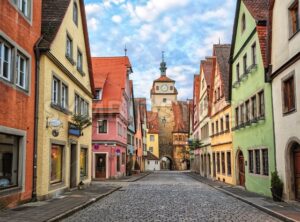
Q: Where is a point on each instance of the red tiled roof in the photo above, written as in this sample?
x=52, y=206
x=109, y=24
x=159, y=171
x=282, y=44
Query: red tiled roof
x=181, y=117
x=222, y=54
x=207, y=67
x=196, y=89
x=151, y=156
x=110, y=73
x=152, y=122
x=164, y=79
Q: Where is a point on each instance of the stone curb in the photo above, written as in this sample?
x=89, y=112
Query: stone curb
x=264, y=209
x=82, y=206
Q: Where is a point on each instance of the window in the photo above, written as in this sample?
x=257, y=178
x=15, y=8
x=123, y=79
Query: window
x=102, y=126
x=98, y=95
x=217, y=127
x=289, y=95
x=75, y=13
x=64, y=96
x=251, y=162
x=157, y=88
x=152, y=138
x=228, y=163
x=294, y=17
x=219, y=93
x=171, y=88
x=216, y=97
x=265, y=162
x=81, y=107
x=156, y=162
x=83, y=163
x=227, y=122
x=123, y=158
x=24, y=6
x=243, y=22
x=118, y=163
x=69, y=47
x=261, y=104
x=76, y=104
x=5, y=61
x=55, y=89
x=254, y=54
x=254, y=107
x=151, y=149
x=148, y=162
x=56, y=163
x=247, y=110
x=242, y=109
x=223, y=162
x=245, y=63
x=21, y=71
x=164, y=100
x=205, y=131
x=237, y=122
x=222, y=125
x=79, y=61
x=212, y=129
x=238, y=72
x=136, y=142
x=257, y=161
x=9, y=159
x=218, y=162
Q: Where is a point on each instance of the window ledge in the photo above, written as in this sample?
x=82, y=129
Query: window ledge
x=10, y=190
x=80, y=71
x=61, y=109
x=70, y=59
x=294, y=34
x=289, y=112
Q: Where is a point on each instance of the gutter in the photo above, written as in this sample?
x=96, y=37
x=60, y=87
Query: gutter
x=36, y=118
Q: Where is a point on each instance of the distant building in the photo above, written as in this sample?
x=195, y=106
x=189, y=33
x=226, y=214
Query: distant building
x=152, y=162
x=110, y=116
x=153, y=132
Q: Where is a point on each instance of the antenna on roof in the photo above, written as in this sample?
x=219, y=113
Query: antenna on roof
x=125, y=50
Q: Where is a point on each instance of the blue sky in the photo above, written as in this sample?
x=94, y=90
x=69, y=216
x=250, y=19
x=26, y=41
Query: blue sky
x=184, y=29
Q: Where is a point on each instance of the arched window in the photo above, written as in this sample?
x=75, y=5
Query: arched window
x=243, y=22
x=75, y=13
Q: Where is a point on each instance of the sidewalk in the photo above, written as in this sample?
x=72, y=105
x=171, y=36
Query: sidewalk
x=57, y=208
x=281, y=210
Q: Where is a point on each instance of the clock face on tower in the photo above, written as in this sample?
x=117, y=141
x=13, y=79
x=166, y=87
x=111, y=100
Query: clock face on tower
x=164, y=88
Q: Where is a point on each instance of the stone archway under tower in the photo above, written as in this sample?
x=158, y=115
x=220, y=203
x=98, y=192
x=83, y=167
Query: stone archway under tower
x=166, y=163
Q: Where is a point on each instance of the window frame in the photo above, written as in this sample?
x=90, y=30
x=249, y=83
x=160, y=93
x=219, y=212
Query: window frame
x=228, y=163
x=25, y=73
x=243, y=22
x=245, y=65
x=291, y=9
x=287, y=110
x=79, y=58
x=69, y=56
x=98, y=126
x=4, y=44
x=61, y=179
x=261, y=107
x=100, y=93
x=75, y=13
x=254, y=53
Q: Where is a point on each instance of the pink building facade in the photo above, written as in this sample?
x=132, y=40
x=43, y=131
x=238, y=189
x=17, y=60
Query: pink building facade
x=110, y=117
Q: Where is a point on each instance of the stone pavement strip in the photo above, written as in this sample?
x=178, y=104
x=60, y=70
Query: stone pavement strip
x=282, y=210
x=57, y=208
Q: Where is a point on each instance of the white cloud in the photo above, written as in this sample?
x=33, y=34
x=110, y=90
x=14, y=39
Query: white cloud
x=93, y=24
x=116, y=19
x=93, y=9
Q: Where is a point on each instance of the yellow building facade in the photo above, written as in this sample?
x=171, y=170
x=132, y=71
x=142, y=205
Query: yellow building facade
x=221, y=136
x=152, y=144
x=152, y=134
x=65, y=92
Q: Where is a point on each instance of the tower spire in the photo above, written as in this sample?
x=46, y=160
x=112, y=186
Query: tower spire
x=163, y=65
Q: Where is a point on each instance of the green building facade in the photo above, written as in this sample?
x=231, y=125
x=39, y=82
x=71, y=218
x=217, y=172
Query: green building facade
x=253, y=135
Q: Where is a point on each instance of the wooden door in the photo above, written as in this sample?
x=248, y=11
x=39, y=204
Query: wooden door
x=297, y=172
x=241, y=169
x=101, y=166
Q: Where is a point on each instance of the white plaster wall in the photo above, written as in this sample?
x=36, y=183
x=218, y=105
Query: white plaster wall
x=152, y=166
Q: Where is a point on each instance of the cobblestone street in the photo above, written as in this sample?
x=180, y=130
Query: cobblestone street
x=169, y=196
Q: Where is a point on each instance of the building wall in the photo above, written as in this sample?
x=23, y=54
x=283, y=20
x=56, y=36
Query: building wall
x=19, y=106
x=255, y=136
x=152, y=165
x=46, y=112
x=287, y=126
x=153, y=144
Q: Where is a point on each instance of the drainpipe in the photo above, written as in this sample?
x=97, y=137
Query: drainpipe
x=36, y=118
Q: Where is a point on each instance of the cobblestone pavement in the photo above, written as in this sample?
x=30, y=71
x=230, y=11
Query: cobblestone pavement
x=169, y=196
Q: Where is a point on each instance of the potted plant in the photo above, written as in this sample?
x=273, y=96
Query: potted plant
x=276, y=186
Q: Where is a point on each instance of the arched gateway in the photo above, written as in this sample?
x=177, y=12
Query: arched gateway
x=166, y=163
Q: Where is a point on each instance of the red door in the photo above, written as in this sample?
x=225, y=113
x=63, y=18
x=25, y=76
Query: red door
x=241, y=169
x=297, y=172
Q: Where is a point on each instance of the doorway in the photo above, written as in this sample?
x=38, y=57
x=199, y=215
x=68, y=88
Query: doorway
x=73, y=166
x=296, y=155
x=241, y=169
x=166, y=163
x=100, y=166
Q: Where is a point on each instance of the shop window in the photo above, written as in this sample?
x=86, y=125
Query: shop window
x=265, y=159
x=56, y=163
x=289, y=95
x=251, y=162
x=83, y=163
x=228, y=163
x=102, y=126
x=9, y=158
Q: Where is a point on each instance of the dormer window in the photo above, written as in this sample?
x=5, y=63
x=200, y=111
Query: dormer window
x=243, y=22
x=75, y=13
x=98, y=95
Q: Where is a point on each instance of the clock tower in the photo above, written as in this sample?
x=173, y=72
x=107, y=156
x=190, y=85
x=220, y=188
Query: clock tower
x=163, y=96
